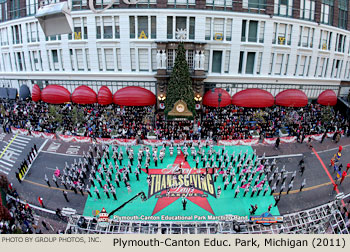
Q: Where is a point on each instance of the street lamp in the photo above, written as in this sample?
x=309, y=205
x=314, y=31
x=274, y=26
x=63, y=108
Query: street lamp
x=219, y=99
x=198, y=98
x=161, y=97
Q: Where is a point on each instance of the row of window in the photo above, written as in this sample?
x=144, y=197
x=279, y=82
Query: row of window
x=32, y=6
x=145, y=27
x=347, y=70
x=281, y=8
x=307, y=9
x=144, y=59
x=336, y=70
x=253, y=31
x=109, y=59
x=250, y=63
x=218, y=29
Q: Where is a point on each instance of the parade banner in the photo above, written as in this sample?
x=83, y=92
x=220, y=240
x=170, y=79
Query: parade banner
x=291, y=139
x=330, y=134
x=81, y=139
x=20, y=131
x=43, y=134
x=306, y=139
x=78, y=139
x=317, y=137
x=49, y=135
x=249, y=142
x=125, y=141
x=203, y=141
x=269, y=140
x=36, y=134
x=66, y=138
x=154, y=142
x=106, y=140
x=228, y=142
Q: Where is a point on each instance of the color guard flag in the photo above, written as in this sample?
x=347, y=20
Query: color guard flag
x=57, y=172
x=260, y=184
x=338, y=174
x=260, y=167
x=245, y=185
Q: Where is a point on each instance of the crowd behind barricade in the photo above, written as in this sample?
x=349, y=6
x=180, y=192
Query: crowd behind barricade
x=16, y=218
x=233, y=122
x=71, y=119
x=228, y=123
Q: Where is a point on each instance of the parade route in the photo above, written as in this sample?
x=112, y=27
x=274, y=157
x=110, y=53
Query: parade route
x=55, y=153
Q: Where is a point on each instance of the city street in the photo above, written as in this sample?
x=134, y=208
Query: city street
x=54, y=154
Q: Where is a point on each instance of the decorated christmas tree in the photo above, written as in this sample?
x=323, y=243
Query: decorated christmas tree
x=180, y=83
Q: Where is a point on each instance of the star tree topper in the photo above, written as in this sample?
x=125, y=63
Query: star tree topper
x=181, y=34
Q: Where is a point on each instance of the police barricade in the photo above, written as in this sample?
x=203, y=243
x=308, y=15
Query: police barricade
x=43, y=135
x=249, y=142
x=20, y=131
x=66, y=211
x=78, y=139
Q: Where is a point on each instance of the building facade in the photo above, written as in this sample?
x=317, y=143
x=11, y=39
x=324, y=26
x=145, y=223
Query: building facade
x=268, y=44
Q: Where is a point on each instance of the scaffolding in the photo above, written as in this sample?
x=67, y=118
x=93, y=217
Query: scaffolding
x=324, y=219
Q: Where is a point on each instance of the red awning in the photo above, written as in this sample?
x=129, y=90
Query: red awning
x=291, y=98
x=327, y=98
x=36, y=93
x=84, y=95
x=104, y=96
x=134, y=96
x=55, y=94
x=253, y=98
x=212, y=98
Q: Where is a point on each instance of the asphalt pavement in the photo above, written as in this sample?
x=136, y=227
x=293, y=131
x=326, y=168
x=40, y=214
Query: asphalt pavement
x=55, y=153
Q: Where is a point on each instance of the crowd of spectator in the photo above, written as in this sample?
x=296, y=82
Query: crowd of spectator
x=234, y=122
x=84, y=120
x=226, y=123
x=17, y=218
